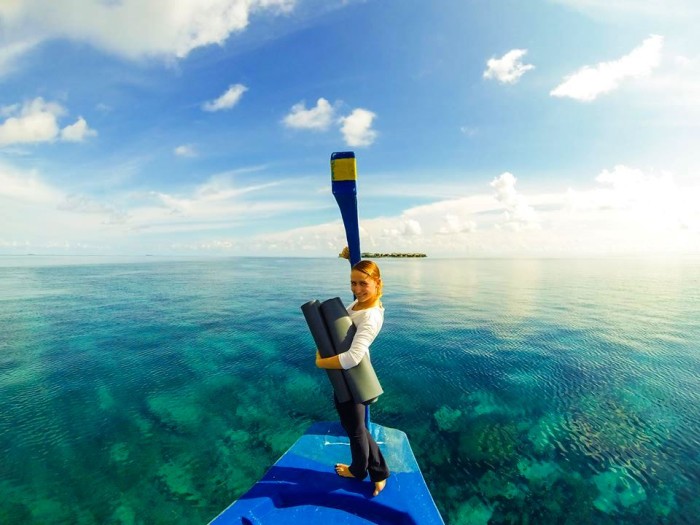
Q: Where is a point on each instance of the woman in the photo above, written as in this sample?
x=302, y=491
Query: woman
x=367, y=314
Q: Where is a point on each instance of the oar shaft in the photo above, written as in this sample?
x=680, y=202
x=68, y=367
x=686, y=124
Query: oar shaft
x=344, y=186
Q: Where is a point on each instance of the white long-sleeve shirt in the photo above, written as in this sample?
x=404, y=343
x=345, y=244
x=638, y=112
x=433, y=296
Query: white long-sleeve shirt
x=367, y=322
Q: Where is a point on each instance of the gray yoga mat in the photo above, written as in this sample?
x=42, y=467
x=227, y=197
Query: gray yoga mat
x=319, y=332
x=361, y=379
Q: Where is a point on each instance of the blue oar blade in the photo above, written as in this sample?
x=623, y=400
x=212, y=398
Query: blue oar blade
x=344, y=186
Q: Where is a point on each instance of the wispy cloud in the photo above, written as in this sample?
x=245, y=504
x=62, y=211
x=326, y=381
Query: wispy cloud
x=682, y=9
x=57, y=217
x=185, y=150
x=509, y=68
x=83, y=204
x=227, y=100
x=319, y=117
x=589, y=82
x=43, y=217
x=11, y=53
x=37, y=121
x=18, y=185
x=216, y=199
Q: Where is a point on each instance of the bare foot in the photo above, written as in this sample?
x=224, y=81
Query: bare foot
x=343, y=470
x=378, y=487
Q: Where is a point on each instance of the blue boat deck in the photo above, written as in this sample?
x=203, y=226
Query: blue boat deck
x=302, y=486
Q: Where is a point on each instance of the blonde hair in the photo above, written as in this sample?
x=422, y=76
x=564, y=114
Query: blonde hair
x=370, y=269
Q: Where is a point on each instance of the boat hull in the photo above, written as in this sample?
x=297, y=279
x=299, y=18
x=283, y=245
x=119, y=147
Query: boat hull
x=302, y=486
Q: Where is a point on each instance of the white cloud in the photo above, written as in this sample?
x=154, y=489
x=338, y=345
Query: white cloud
x=591, y=81
x=411, y=227
x=37, y=121
x=621, y=211
x=509, y=68
x=518, y=214
x=226, y=101
x=77, y=132
x=155, y=28
x=185, y=150
x=675, y=87
x=635, y=211
x=319, y=117
x=646, y=196
x=454, y=224
x=622, y=178
x=357, y=128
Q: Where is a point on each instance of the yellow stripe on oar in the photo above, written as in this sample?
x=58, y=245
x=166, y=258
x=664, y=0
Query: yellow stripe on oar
x=343, y=169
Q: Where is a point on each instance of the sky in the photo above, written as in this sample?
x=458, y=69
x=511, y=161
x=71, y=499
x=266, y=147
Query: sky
x=482, y=128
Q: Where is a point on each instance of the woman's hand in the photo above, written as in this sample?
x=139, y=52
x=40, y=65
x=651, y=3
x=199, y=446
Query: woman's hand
x=329, y=363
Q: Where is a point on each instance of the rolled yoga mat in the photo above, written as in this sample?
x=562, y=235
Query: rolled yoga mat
x=317, y=326
x=361, y=379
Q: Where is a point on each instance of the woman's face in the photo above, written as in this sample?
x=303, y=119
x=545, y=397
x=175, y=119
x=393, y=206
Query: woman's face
x=363, y=286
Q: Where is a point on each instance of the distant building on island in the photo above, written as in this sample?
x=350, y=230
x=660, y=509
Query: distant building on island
x=373, y=255
x=345, y=254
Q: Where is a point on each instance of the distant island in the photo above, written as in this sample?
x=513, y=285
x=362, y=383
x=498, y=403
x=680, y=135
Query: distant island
x=345, y=254
x=372, y=255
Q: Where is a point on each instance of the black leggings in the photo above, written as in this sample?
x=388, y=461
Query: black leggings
x=366, y=456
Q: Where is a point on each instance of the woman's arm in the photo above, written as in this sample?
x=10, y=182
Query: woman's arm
x=367, y=331
x=368, y=327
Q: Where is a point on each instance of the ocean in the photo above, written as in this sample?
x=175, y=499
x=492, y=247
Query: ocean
x=155, y=390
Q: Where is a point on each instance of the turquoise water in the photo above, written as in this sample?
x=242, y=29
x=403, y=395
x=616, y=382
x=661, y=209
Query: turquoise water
x=533, y=391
